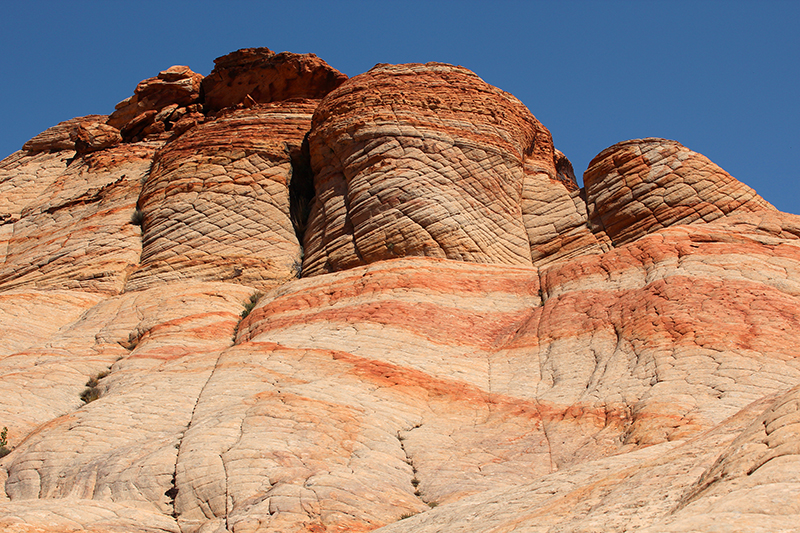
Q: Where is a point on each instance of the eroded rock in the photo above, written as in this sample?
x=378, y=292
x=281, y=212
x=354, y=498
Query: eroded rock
x=78, y=233
x=216, y=204
x=259, y=75
x=483, y=344
x=148, y=113
x=637, y=186
x=64, y=135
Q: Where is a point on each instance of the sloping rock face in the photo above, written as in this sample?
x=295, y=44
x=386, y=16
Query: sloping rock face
x=72, y=228
x=466, y=340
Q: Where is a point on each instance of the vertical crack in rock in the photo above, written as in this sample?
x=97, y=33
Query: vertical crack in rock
x=301, y=189
x=173, y=491
x=410, y=462
x=547, y=436
x=4, y=476
x=228, y=502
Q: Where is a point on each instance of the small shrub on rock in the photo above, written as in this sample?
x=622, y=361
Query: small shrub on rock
x=137, y=218
x=4, y=449
x=92, y=390
x=250, y=304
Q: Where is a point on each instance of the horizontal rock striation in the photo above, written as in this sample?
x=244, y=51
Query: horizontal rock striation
x=64, y=135
x=637, y=186
x=216, y=203
x=429, y=160
x=475, y=342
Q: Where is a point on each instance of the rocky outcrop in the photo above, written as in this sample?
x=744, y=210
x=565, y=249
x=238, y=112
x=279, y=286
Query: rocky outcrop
x=420, y=160
x=637, y=186
x=74, y=229
x=157, y=104
x=90, y=133
x=215, y=205
x=474, y=343
x=260, y=76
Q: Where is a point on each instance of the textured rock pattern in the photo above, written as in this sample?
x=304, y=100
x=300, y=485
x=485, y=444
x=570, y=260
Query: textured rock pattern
x=259, y=75
x=548, y=359
x=78, y=232
x=63, y=135
x=429, y=160
x=216, y=203
x=157, y=103
x=637, y=186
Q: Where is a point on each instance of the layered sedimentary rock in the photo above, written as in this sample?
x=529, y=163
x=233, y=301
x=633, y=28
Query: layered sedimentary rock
x=641, y=185
x=216, y=202
x=76, y=229
x=429, y=160
x=159, y=103
x=475, y=343
x=64, y=135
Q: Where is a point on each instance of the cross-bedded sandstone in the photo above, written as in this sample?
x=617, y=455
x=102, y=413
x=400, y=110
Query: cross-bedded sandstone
x=72, y=229
x=157, y=103
x=637, y=186
x=420, y=160
x=530, y=375
x=215, y=205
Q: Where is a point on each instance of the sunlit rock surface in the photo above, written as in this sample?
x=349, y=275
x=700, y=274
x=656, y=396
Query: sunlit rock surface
x=272, y=300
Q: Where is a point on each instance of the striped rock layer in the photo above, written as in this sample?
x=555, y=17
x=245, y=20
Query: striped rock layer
x=429, y=160
x=466, y=341
x=215, y=205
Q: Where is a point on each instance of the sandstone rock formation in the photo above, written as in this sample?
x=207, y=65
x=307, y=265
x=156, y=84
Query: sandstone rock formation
x=645, y=184
x=157, y=103
x=215, y=205
x=474, y=343
x=259, y=75
x=429, y=160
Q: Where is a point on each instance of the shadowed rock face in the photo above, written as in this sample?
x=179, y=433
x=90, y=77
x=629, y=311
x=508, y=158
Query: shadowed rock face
x=472, y=331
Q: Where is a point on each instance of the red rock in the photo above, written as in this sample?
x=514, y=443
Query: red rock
x=649, y=385
x=177, y=86
x=63, y=135
x=637, y=186
x=420, y=160
x=259, y=75
x=93, y=136
x=77, y=234
x=216, y=203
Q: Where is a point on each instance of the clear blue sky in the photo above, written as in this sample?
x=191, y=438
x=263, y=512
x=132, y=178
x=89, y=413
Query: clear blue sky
x=722, y=77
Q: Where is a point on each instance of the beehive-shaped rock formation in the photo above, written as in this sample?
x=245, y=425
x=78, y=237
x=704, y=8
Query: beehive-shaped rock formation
x=274, y=299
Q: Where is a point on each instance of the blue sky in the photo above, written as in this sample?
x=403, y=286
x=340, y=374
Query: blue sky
x=721, y=77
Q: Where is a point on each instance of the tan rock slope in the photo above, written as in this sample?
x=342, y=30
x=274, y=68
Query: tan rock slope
x=279, y=300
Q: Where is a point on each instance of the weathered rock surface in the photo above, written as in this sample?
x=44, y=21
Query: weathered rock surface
x=259, y=75
x=76, y=231
x=472, y=332
x=215, y=205
x=89, y=131
x=157, y=103
x=637, y=186
x=429, y=160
